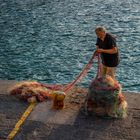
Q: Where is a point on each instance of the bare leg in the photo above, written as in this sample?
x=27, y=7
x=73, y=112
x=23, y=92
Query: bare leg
x=103, y=70
x=111, y=71
x=108, y=71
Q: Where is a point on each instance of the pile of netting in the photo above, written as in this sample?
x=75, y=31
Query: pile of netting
x=33, y=91
x=105, y=98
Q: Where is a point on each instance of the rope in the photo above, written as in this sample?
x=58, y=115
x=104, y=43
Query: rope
x=99, y=67
x=83, y=73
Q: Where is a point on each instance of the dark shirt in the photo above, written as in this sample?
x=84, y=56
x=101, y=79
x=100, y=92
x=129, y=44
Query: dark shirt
x=109, y=60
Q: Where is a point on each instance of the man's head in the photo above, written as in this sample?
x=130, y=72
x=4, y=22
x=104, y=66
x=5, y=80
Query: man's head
x=100, y=32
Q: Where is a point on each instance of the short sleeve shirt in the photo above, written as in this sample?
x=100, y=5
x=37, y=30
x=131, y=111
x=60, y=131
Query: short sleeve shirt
x=109, y=60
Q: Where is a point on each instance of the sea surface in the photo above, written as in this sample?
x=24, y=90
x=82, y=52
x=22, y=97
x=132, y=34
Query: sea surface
x=52, y=40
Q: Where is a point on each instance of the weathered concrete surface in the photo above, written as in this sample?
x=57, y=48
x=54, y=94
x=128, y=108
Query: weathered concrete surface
x=10, y=111
x=71, y=123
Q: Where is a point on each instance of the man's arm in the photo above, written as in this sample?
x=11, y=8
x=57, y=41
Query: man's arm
x=109, y=51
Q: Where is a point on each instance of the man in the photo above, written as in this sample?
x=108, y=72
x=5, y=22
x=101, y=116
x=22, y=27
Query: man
x=106, y=46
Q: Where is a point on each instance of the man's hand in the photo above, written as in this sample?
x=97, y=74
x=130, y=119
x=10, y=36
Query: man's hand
x=100, y=50
x=95, y=53
x=109, y=51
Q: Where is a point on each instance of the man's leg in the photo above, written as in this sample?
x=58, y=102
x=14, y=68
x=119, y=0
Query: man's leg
x=103, y=70
x=111, y=71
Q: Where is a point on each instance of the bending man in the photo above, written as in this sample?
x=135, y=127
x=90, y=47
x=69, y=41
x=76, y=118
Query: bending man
x=106, y=46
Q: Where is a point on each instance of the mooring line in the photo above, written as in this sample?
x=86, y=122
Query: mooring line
x=21, y=121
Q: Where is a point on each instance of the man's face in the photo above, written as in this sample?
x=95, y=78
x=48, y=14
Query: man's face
x=100, y=34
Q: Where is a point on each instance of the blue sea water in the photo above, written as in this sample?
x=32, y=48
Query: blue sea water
x=51, y=40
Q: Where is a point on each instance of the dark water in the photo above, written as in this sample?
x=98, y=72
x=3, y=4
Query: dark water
x=51, y=40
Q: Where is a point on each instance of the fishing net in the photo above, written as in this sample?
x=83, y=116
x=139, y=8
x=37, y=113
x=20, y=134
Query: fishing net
x=33, y=91
x=105, y=98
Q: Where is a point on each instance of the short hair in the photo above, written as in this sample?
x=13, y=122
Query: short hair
x=100, y=29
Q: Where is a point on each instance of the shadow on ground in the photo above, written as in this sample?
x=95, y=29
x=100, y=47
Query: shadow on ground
x=83, y=128
x=11, y=110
